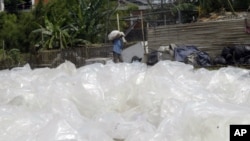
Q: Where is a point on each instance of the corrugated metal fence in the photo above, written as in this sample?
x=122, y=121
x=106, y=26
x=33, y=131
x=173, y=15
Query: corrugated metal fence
x=207, y=36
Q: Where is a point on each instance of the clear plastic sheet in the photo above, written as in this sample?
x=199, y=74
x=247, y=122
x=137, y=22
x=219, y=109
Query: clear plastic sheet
x=169, y=101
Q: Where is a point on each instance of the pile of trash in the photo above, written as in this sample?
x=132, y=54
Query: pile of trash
x=188, y=54
x=234, y=55
x=230, y=55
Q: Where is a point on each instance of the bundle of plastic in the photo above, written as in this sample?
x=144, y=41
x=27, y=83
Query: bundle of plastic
x=131, y=102
x=116, y=34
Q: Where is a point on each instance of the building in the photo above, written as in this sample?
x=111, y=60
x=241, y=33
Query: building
x=25, y=5
x=36, y=1
x=162, y=1
x=1, y=5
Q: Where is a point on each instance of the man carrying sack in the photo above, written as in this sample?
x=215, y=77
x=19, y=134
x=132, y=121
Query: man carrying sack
x=117, y=38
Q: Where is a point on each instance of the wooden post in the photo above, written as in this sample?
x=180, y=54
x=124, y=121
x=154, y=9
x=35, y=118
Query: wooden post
x=118, y=22
x=86, y=52
x=143, y=38
x=145, y=57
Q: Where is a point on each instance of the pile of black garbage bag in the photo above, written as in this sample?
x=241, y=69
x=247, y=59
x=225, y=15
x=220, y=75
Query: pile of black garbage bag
x=234, y=55
x=190, y=54
x=183, y=53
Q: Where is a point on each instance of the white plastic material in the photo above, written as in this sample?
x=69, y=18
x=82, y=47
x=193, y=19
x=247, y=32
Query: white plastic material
x=116, y=34
x=169, y=101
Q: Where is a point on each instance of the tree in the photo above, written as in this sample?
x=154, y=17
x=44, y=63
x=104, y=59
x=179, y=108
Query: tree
x=9, y=39
x=54, y=35
x=54, y=28
x=9, y=30
x=25, y=26
x=90, y=16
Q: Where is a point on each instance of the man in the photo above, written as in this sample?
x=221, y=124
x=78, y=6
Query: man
x=117, y=50
x=118, y=40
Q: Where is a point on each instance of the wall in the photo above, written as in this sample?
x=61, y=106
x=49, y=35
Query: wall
x=208, y=36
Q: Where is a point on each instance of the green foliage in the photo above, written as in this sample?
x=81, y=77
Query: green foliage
x=59, y=24
x=11, y=57
x=2, y=54
x=70, y=22
x=124, y=13
x=14, y=55
x=54, y=35
x=184, y=7
x=53, y=25
x=25, y=25
x=89, y=16
x=10, y=37
x=9, y=30
x=39, y=12
x=132, y=7
x=14, y=30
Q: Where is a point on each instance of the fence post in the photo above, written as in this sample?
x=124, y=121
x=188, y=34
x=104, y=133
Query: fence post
x=86, y=52
x=143, y=38
x=118, y=22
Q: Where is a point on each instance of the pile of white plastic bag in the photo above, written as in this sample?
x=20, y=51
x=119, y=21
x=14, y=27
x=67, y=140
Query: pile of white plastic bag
x=169, y=101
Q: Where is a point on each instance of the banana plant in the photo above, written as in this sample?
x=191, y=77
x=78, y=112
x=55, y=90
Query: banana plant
x=55, y=35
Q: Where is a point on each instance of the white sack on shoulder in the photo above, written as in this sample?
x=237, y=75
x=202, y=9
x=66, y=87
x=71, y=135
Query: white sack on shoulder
x=115, y=34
